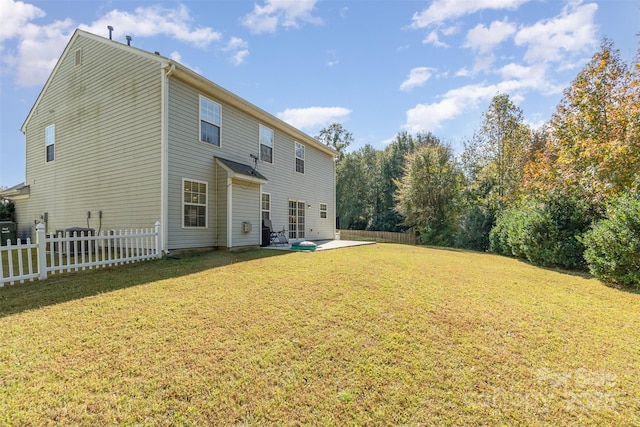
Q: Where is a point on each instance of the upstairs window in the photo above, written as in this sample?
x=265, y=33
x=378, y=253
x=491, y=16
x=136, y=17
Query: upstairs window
x=299, y=157
x=194, y=202
x=266, y=144
x=49, y=142
x=209, y=121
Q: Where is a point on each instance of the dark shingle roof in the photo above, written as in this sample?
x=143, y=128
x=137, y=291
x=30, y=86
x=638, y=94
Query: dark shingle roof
x=242, y=169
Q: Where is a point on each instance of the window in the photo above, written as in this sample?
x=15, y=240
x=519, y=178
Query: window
x=296, y=219
x=266, y=144
x=299, y=157
x=323, y=210
x=78, y=57
x=49, y=142
x=266, y=206
x=209, y=121
x=194, y=201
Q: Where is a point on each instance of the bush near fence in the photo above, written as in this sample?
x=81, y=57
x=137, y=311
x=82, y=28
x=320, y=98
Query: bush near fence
x=379, y=236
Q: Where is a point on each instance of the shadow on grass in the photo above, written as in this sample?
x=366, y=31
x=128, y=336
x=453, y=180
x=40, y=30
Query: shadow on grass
x=65, y=287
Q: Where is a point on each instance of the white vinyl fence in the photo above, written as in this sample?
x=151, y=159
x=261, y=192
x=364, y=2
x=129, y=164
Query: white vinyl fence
x=76, y=251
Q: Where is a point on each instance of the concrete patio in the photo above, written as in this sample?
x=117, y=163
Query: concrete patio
x=325, y=245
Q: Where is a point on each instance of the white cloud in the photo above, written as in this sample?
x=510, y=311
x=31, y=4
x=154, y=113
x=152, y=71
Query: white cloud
x=443, y=10
x=38, y=51
x=483, y=39
x=417, y=77
x=429, y=117
x=463, y=72
x=38, y=47
x=573, y=31
x=238, y=50
x=313, y=117
x=432, y=38
x=285, y=13
x=15, y=14
x=152, y=21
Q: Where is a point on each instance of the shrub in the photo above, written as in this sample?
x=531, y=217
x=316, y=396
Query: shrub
x=474, y=228
x=544, y=232
x=613, y=243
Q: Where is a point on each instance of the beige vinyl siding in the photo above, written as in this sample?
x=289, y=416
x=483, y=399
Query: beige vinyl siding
x=107, y=114
x=246, y=208
x=221, y=212
x=188, y=158
x=315, y=186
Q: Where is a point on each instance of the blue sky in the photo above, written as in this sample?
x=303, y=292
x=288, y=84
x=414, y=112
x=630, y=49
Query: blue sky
x=378, y=67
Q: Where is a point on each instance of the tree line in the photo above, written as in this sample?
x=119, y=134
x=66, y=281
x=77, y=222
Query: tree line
x=564, y=195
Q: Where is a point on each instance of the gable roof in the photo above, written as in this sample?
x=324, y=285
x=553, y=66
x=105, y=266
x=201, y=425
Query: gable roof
x=179, y=71
x=80, y=33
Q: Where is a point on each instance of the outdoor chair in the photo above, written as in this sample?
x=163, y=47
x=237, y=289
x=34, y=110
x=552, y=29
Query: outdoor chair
x=275, y=237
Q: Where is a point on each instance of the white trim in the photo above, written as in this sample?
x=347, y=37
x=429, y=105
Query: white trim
x=326, y=210
x=229, y=212
x=262, y=210
x=206, y=205
x=260, y=215
x=47, y=143
x=295, y=157
x=200, y=120
x=273, y=143
x=164, y=150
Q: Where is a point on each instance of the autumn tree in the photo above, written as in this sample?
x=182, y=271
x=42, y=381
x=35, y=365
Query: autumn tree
x=593, y=147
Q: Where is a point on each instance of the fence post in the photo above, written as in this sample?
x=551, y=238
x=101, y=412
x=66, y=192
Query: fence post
x=41, y=241
x=158, y=239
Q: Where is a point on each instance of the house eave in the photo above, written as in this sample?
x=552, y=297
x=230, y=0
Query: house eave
x=17, y=192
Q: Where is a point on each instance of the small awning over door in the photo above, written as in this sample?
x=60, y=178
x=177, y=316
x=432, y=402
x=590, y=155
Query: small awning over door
x=241, y=171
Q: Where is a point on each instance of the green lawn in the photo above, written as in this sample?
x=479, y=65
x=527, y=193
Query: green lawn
x=371, y=335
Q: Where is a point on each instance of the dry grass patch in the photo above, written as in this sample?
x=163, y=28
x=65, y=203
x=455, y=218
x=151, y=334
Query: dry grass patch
x=372, y=335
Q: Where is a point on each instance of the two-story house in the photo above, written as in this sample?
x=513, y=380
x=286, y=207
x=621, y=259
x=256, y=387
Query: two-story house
x=121, y=138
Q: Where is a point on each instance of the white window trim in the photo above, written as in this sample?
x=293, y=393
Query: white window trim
x=48, y=143
x=200, y=119
x=326, y=210
x=206, y=206
x=295, y=157
x=263, y=210
x=273, y=143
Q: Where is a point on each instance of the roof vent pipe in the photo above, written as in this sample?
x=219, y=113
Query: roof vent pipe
x=128, y=40
x=110, y=28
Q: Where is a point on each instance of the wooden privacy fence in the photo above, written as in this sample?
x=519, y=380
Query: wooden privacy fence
x=379, y=236
x=75, y=251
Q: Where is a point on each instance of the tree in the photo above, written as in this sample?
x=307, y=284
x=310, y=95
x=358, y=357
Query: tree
x=337, y=137
x=357, y=187
x=495, y=156
x=492, y=162
x=428, y=192
x=593, y=145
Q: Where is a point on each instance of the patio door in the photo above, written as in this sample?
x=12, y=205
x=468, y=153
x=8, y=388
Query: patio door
x=296, y=219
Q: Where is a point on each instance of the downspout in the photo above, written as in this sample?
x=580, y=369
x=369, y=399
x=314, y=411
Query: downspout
x=229, y=212
x=166, y=72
